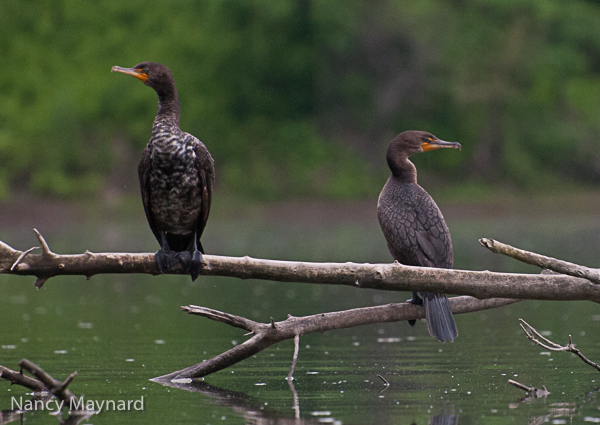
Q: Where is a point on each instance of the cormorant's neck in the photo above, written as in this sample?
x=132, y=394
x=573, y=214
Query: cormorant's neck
x=168, y=105
x=403, y=169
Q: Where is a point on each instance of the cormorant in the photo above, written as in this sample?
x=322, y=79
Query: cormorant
x=414, y=227
x=176, y=175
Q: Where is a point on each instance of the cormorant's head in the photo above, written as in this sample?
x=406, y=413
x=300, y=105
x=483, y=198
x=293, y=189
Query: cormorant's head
x=410, y=142
x=153, y=74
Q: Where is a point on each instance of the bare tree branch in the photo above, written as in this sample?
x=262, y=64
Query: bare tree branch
x=559, y=266
x=531, y=334
x=54, y=386
x=18, y=378
x=44, y=381
x=45, y=387
x=532, y=391
x=290, y=376
x=391, y=277
x=267, y=334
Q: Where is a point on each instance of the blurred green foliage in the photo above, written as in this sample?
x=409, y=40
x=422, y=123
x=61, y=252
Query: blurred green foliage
x=300, y=98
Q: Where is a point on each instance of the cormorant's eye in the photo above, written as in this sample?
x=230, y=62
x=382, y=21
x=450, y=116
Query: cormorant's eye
x=144, y=71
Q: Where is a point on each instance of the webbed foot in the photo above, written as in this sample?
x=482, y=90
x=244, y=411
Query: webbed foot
x=166, y=259
x=191, y=261
x=195, y=265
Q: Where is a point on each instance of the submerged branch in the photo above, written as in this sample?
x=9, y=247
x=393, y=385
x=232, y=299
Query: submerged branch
x=391, y=277
x=267, y=334
x=531, y=391
x=43, y=381
x=54, y=386
x=18, y=378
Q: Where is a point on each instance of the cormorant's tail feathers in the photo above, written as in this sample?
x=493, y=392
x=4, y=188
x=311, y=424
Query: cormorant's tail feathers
x=440, y=322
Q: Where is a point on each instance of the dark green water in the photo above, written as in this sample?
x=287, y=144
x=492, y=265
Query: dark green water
x=120, y=331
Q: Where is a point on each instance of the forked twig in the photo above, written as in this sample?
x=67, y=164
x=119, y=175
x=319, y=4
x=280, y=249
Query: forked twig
x=531, y=334
x=530, y=331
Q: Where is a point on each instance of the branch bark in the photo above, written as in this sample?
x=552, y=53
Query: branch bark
x=391, y=277
x=559, y=266
x=266, y=334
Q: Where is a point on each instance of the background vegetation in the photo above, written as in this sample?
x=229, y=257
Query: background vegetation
x=300, y=98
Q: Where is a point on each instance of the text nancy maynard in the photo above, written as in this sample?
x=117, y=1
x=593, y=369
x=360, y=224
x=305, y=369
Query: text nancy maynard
x=95, y=406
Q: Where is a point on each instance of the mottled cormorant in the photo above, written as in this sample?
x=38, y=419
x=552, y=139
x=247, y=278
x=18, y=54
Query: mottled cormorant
x=414, y=227
x=176, y=176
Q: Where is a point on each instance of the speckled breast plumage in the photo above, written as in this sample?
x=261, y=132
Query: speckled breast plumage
x=174, y=181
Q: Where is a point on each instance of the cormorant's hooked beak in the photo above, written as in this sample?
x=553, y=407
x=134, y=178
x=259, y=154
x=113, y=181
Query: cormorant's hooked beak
x=439, y=144
x=137, y=73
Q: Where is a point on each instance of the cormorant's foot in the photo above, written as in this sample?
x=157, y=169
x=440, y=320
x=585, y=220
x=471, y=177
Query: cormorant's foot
x=195, y=265
x=184, y=258
x=416, y=300
x=166, y=260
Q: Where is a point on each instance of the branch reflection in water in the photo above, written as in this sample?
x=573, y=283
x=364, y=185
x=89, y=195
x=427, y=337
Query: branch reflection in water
x=253, y=409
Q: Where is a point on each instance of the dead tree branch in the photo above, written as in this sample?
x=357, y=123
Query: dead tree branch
x=290, y=376
x=54, y=386
x=18, y=378
x=531, y=391
x=266, y=334
x=44, y=381
x=531, y=334
x=391, y=277
x=559, y=266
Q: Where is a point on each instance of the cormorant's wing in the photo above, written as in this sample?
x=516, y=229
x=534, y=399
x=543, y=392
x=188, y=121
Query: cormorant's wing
x=143, y=174
x=206, y=172
x=415, y=229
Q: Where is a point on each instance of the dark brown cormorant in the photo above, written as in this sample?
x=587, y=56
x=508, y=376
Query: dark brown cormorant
x=414, y=227
x=176, y=176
